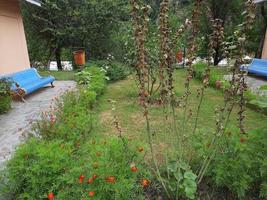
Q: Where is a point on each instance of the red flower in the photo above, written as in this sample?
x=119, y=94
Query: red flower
x=145, y=183
x=90, y=181
x=50, y=196
x=111, y=179
x=91, y=194
x=81, y=178
x=134, y=169
x=94, y=176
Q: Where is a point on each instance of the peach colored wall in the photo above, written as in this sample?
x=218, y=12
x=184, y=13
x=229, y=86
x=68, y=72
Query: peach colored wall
x=13, y=47
x=264, y=51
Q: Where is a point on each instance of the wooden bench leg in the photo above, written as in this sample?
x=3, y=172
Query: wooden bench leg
x=52, y=85
x=22, y=98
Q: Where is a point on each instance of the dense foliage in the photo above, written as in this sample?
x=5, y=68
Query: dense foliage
x=65, y=159
x=114, y=70
x=5, y=96
x=62, y=26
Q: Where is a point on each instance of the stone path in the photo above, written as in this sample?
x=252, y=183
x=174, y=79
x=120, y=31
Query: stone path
x=254, y=83
x=14, y=124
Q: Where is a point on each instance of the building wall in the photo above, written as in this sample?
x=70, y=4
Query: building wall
x=264, y=51
x=13, y=47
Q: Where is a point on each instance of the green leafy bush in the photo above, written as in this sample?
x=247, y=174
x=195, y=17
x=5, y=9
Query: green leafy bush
x=70, y=120
x=40, y=167
x=199, y=70
x=5, y=96
x=216, y=78
x=114, y=70
x=36, y=168
x=242, y=167
x=93, y=78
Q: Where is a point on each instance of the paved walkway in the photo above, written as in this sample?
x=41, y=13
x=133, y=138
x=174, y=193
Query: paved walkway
x=14, y=124
x=254, y=83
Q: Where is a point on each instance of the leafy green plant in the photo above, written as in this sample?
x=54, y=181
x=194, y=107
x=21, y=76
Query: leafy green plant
x=242, y=167
x=101, y=168
x=181, y=172
x=5, y=95
x=84, y=77
x=36, y=168
x=71, y=119
x=93, y=78
x=114, y=70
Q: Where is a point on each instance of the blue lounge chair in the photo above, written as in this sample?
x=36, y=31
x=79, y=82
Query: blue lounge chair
x=257, y=67
x=28, y=81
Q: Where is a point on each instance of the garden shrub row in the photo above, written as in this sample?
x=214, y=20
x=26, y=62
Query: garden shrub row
x=5, y=96
x=64, y=158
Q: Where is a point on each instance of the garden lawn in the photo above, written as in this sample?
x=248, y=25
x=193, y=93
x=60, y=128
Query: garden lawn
x=133, y=124
x=59, y=75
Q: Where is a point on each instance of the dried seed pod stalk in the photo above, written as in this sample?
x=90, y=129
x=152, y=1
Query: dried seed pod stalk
x=140, y=24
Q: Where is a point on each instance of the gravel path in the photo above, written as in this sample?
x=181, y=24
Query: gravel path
x=14, y=124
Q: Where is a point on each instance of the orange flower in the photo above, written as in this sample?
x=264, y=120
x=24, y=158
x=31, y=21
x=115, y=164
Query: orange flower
x=140, y=149
x=111, y=179
x=50, y=196
x=94, y=176
x=145, y=183
x=90, y=181
x=81, y=178
x=91, y=193
x=134, y=169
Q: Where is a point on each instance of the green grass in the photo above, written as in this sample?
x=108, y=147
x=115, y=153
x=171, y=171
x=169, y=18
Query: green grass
x=132, y=121
x=59, y=75
x=263, y=87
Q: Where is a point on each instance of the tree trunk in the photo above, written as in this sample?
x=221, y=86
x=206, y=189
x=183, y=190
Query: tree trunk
x=58, y=58
x=216, y=57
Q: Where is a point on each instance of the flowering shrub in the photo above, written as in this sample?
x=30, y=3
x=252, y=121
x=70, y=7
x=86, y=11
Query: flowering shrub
x=69, y=120
x=106, y=171
x=36, y=169
x=5, y=96
x=99, y=169
x=73, y=111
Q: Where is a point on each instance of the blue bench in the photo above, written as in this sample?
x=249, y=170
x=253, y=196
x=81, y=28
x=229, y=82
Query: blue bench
x=28, y=81
x=257, y=67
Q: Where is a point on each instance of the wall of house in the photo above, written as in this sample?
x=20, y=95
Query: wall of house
x=13, y=47
x=264, y=51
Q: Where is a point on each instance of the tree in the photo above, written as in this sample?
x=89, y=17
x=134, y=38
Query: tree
x=67, y=24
